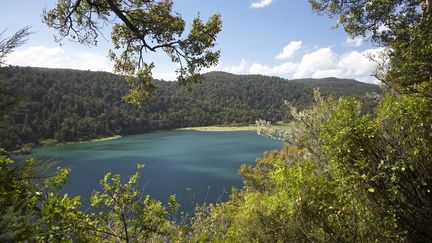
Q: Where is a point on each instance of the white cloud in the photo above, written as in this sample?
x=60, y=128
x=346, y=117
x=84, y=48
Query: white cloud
x=238, y=68
x=56, y=57
x=357, y=41
x=356, y=63
x=280, y=70
x=167, y=76
x=289, y=50
x=321, y=59
x=324, y=62
x=335, y=72
x=261, y=4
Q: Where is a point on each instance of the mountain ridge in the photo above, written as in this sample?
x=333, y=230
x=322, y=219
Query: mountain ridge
x=72, y=105
x=293, y=80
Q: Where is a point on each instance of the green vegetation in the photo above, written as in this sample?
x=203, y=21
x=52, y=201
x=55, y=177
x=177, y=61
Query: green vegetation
x=68, y=105
x=142, y=26
x=32, y=206
x=34, y=209
x=347, y=178
x=350, y=177
x=403, y=27
x=345, y=175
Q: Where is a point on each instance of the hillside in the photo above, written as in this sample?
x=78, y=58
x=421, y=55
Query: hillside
x=71, y=105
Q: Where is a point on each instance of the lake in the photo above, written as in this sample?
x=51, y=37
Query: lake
x=196, y=166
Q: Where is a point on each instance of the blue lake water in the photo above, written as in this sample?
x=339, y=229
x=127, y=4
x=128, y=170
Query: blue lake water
x=196, y=166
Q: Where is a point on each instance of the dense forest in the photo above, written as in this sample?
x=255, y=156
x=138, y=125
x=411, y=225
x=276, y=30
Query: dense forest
x=344, y=174
x=70, y=105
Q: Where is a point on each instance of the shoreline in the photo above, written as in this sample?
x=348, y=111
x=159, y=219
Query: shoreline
x=216, y=128
x=219, y=128
x=105, y=138
x=95, y=140
x=55, y=143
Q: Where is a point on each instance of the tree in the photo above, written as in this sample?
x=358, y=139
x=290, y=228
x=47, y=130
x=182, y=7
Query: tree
x=390, y=155
x=299, y=196
x=32, y=207
x=128, y=215
x=403, y=27
x=7, y=46
x=380, y=20
x=91, y=107
x=389, y=158
x=410, y=66
x=140, y=26
x=9, y=101
x=304, y=129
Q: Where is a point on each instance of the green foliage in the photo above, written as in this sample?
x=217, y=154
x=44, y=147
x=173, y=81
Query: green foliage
x=142, y=26
x=306, y=203
x=304, y=128
x=9, y=44
x=371, y=182
x=32, y=208
x=10, y=102
x=402, y=27
x=390, y=158
x=67, y=105
x=378, y=19
x=126, y=214
x=411, y=60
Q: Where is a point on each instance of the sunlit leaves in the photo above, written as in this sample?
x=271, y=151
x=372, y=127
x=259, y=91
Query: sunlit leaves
x=411, y=60
x=140, y=27
x=388, y=157
x=378, y=19
x=140, y=86
x=305, y=126
x=127, y=214
x=402, y=27
x=33, y=208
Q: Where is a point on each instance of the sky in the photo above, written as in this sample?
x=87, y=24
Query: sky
x=282, y=38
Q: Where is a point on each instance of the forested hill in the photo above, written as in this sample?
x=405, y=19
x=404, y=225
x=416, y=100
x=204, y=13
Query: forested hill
x=71, y=105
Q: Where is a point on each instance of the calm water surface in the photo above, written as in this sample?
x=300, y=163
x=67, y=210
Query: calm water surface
x=205, y=162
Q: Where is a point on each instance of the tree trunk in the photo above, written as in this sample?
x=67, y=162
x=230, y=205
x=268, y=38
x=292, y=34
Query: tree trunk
x=428, y=5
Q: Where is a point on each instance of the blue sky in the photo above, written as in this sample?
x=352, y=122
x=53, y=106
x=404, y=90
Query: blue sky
x=271, y=37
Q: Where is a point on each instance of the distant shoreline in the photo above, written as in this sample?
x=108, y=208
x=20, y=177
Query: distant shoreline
x=52, y=142
x=227, y=128
x=105, y=138
x=219, y=128
x=96, y=140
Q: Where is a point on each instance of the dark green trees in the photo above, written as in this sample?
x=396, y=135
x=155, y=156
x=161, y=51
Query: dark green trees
x=390, y=157
x=410, y=67
x=68, y=105
x=139, y=27
x=403, y=27
x=346, y=176
x=380, y=20
x=32, y=207
x=130, y=216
